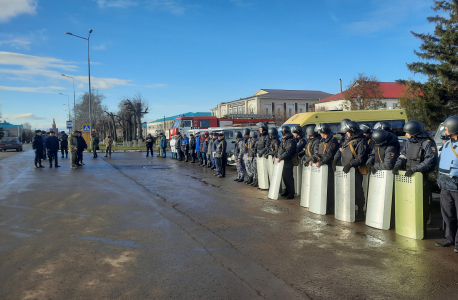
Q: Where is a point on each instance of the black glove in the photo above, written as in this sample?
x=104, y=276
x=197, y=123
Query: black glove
x=334, y=165
x=302, y=153
x=395, y=171
x=409, y=172
x=347, y=168
x=373, y=169
x=315, y=158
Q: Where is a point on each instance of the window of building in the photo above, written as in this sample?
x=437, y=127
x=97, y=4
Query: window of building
x=205, y=123
x=187, y=123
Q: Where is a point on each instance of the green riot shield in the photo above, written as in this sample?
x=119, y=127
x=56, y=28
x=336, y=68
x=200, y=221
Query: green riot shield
x=409, y=205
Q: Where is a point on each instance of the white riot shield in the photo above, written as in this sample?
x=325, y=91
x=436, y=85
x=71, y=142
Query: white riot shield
x=380, y=196
x=270, y=166
x=409, y=205
x=319, y=190
x=344, y=187
x=305, y=187
x=365, y=188
x=263, y=179
x=297, y=172
x=276, y=179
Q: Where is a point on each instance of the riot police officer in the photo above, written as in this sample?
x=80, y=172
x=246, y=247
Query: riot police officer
x=313, y=139
x=448, y=183
x=299, y=139
x=238, y=155
x=286, y=152
x=274, y=142
x=385, y=152
x=37, y=146
x=366, y=129
x=323, y=154
x=262, y=146
x=352, y=155
x=252, y=146
x=246, y=138
x=383, y=126
x=342, y=133
x=418, y=155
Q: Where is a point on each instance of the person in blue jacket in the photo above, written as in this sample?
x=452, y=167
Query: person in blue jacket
x=163, y=145
x=185, y=147
x=198, y=142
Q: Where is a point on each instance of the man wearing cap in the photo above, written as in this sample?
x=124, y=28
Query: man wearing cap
x=44, y=137
x=52, y=145
x=81, y=146
x=95, y=144
x=203, y=148
x=221, y=156
x=37, y=146
x=163, y=144
x=64, y=144
x=213, y=148
x=192, y=148
x=73, y=143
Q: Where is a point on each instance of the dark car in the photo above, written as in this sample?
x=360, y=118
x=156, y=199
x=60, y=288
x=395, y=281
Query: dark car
x=10, y=143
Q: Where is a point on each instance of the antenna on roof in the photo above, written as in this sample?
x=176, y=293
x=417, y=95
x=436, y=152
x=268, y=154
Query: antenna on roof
x=340, y=85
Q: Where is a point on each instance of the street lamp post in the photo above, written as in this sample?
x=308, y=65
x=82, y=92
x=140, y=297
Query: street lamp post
x=89, y=73
x=74, y=99
x=68, y=105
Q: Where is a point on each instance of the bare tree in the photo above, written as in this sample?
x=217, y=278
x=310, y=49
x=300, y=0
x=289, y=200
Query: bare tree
x=139, y=107
x=82, y=110
x=364, y=93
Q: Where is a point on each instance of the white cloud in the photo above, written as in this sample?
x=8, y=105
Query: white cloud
x=170, y=6
x=116, y=3
x=18, y=43
x=99, y=47
x=156, y=85
x=39, y=89
x=22, y=41
x=26, y=116
x=12, y=8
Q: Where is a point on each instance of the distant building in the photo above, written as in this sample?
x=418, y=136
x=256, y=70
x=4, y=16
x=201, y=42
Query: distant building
x=54, y=127
x=164, y=124
x=281, y=103
x=391, y=93
x=11, y=130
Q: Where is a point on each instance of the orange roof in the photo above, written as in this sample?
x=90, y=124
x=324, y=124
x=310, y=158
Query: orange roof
x=391, y=90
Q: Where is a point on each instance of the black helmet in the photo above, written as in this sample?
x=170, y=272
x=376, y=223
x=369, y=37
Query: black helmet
x=366, y=128
x=380, y=136
x=324, y=128
x=296, y=129
x=414, y=127
x=383, y=125
x=263, y=126
x=352, y=127
x=238, y=135
x=310, y=131
x=342, y=124
x=452, y=124
x=246, y=131
x=285, y=130
x=273, y=132
x=253, y=134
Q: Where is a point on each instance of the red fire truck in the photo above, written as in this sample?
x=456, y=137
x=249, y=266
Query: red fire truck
x=183, y=124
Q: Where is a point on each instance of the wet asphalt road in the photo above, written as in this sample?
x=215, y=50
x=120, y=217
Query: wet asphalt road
x=132, y=227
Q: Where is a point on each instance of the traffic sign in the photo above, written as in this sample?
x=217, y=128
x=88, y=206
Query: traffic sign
x=86, y=127
x=69, y=125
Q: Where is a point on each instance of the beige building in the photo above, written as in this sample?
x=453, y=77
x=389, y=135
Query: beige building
x=281, y=103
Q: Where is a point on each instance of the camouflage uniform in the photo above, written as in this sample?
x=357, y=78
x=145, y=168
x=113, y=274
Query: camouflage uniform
x=239, y=155
x=73, y=143
x=158, y=147
x=108, y=143
x=252, y=157
x=247, y=162
x=95, y=145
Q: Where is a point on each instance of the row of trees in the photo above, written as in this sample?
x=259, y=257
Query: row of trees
x=127, y=117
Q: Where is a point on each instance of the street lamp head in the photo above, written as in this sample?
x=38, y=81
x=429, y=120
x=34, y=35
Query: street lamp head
x=90, y=30
x=66, y=32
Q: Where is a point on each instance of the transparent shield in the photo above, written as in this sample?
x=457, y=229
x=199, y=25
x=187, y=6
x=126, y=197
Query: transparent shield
x=277, y=172
x=305, y=188
x=344, y=195
x=319, y=192
x=379, y=201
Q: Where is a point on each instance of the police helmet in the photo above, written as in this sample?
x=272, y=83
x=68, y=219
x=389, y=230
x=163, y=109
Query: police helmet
x=366, y=128
x=220, y=133
x=273, y=132
x=238, y=135
x=352, y=127
x=297, y=129
x=246, y=131
x=383, y=125
x=62, y=132
x=452, y=124
x=380, y=136
x=342, y=124
x=324, y=128
x=310, y=131
x=263, y=126
x=285, y=130
x=253, y=134
x=414, y=127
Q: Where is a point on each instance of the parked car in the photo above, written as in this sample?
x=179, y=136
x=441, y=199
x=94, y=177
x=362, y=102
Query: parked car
x=7, y=143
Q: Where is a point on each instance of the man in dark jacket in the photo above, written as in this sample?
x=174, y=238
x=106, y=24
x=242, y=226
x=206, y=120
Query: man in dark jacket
x=313, y=140
x=221, y=156
x=163, y=145
x=299, y=139
x=252, y=146
x=286, y=152
x=64, y=144
x=262, y=146
x=81, y=146
x=246, y=138
x=37, y=146
x=52, y=145
x=213, y=149
x=204, y=148
x=178, y=146
x=95, y=144
x=385, y=151
x=44, y=137
x=192, y=148
x=274, y=142
x=352, y=155
x=324, y=155
x=149, y=145
x=418, y=155
x=209, y=151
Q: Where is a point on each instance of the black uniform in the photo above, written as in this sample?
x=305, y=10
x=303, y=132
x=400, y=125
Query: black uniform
x=192, y=148
x=37, y=146
x=370, y=144
x=286, y=152
x=221, y=157
x=326, y=150
x=300, y=145
x=52, y=145
x=347, y=159
x=263, y=143
x=79, y=152
x=420, y=155
x=384, y=157
x=64, y=145
x=273, y=147
x=149, y=146
x=309, y=149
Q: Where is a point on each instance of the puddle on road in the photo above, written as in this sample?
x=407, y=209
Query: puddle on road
x=156, y=167
x=108, y=241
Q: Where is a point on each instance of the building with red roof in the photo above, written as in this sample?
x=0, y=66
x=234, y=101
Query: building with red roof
x=391, y=93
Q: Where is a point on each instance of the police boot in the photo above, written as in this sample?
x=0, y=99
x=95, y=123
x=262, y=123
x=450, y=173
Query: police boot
x=36, y=167
x=240, y=180
x=255, y=183
x=250, y=180
x=40, y=166
x=236, y=179
x=360, y=217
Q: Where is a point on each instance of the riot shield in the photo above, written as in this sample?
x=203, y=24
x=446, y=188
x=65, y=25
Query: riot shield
x=319, y=189
x=344, y=193
x=409, y=205
x=297, y=172
x=270, y=166
x=305, y=186
x=365, y=188
x=277, y=172
x=379, y=200
x=263, y=180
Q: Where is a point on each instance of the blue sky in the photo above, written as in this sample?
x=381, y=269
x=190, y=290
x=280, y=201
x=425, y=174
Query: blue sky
x=189, y=55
